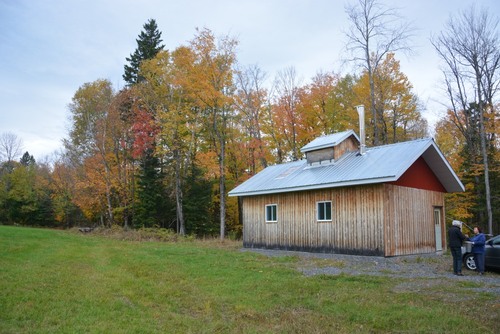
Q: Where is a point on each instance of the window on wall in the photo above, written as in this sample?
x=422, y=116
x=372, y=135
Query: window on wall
x=324, y=211
x=271, y=213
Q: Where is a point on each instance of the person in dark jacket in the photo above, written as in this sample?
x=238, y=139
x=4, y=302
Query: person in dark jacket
x=478, y=242
x=455, y=240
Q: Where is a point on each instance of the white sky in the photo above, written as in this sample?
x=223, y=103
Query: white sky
x=49, y=48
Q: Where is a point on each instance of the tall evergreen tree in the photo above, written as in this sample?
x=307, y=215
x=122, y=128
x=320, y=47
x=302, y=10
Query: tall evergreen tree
x=149, y=209
x=197, y=204
x=27, y=160
x=153, y=207
x=148, y=45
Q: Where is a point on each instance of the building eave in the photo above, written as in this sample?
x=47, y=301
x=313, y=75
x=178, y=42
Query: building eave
x=315, y=187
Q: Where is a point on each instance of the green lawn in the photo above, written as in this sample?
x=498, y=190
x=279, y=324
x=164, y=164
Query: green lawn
x=63, y=282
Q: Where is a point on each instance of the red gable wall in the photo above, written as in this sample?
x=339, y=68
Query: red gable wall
x=420, y=176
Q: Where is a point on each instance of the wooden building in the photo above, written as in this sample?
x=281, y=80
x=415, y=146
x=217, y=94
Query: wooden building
x=385, y=201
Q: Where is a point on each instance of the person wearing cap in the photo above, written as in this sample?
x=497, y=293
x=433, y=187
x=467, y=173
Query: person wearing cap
x=455, y=240
x=478, y=242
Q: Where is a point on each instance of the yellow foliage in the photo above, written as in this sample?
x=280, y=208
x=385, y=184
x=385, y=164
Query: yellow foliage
x=208, y=161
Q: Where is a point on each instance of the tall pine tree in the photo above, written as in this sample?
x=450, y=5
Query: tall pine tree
x=27, y=160
x=148, y=45
x=148, y=205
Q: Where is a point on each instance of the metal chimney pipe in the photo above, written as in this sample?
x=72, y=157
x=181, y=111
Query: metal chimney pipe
x=361, y=113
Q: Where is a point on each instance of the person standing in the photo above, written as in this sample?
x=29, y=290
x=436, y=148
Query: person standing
x=455, y=240
x=478, y=246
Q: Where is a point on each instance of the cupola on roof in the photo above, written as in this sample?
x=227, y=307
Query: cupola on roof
x=328, y=141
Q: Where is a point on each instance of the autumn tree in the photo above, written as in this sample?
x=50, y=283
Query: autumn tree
x=163, y=83
x=25, y=197
x=211, y=85
x=450, y=141
x=401, y=118
x=63, y=187
x=90, y=144
x=122, y=118
x=247, y=150
x=44, y=212
x=88, y=107
x=299, y=113
x=375, y=31
x=317, y=101
x=327, y=105
x=469, y=48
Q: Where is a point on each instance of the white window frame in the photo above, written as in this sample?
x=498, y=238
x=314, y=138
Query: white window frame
x=326, y=219
x=275, y=213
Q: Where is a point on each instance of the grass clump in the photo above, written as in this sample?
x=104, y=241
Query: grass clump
x=140, y=234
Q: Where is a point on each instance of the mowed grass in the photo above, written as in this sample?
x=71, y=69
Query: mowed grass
x=61, y=282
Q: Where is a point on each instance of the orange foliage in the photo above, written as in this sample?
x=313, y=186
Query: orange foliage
x=208, y=161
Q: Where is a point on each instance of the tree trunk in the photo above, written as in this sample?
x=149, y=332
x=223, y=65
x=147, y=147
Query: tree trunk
x=222, y=189
x=178, y=193
x=108, y=198
x=107, y=178
x=372, y=102
x=125, y=195
x=484, y=152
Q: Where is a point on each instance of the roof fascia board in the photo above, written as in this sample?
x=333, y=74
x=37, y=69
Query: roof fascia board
x=315, y=187
x=432, y=143
x=447, y=164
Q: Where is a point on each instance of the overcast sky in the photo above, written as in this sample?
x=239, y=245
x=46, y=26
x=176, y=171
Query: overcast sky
x=48, y=49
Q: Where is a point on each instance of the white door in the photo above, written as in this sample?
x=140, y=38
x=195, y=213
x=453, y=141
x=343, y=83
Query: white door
x=437, y=228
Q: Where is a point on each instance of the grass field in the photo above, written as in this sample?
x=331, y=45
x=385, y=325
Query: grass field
x=63, y=282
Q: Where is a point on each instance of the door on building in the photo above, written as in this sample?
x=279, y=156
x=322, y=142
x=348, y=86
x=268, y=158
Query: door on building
x=437, y=228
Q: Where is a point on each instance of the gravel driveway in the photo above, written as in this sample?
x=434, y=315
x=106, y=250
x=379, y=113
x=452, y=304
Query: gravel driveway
x=419, y=271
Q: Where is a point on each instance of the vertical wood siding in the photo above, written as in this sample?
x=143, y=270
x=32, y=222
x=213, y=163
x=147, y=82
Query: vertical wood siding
x=378, y=219
x=356, y=226
x=409, y=224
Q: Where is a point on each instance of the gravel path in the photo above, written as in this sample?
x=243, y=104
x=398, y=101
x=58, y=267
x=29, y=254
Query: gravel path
x=419, y=271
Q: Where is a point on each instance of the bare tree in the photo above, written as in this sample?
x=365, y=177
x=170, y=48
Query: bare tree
x=470, y=48
x=375, y=31
x=287, y=86
x=252, y=99
x=10, y=146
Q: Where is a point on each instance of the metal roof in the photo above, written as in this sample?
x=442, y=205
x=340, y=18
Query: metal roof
x=379, y=164
x=328, y=141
